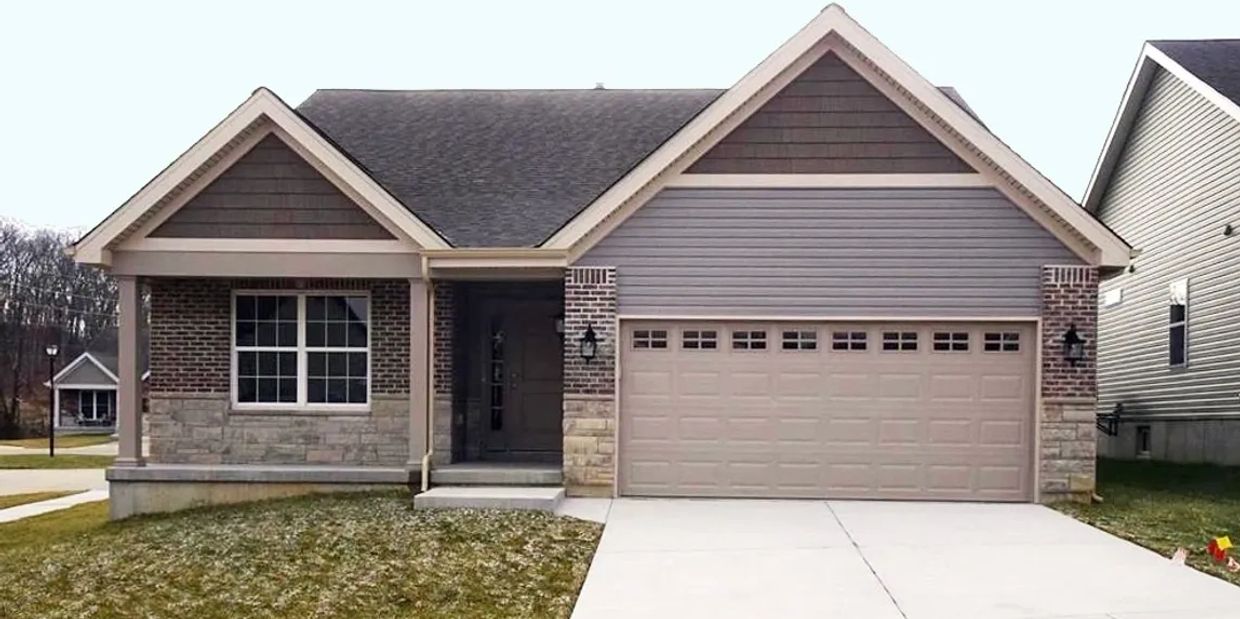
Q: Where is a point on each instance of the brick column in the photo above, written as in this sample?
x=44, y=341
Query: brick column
x=441, y=356
x=1068, y=445
x=590, y=386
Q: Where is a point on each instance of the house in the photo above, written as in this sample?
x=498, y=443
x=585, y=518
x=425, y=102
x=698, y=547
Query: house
x=827, y=280
x=1168, y=181
x=84, y=398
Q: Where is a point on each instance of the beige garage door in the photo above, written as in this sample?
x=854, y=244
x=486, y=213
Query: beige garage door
x=865, y=410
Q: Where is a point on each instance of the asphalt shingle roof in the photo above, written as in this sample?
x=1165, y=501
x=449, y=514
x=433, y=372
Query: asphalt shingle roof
x=500, y=168
x=1216, y=62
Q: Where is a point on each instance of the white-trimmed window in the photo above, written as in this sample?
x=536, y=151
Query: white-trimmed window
x=1177, y=324
x=951, y=341
x=699, y=339
x=96, y=405
x=301, y=350
x=848, y=340
x=748, y=340
x=894, y=341
x=800, y=339
x=1003, y=341
x=645, y=339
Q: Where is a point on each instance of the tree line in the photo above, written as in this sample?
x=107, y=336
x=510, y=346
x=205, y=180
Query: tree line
x=45, y=298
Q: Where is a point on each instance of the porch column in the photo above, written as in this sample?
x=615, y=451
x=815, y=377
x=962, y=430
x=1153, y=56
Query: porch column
x=129, y=390
x=590, y=386
x=419, y=369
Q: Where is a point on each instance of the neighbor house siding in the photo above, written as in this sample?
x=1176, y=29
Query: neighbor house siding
x=86, y=374
x=271, y=192
x=830, y=252
x=1175, y=187
x=829, y=120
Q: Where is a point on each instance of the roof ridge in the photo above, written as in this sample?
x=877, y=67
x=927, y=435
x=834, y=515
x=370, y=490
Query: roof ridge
x=587, y=89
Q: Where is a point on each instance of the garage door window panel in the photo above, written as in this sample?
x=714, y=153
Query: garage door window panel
x=951, y=341
x=800, y=339
x=748, y=340
x=649, y=339
x=899, y=341
x=699, y=339
x=1004, y=341
x=849, y=341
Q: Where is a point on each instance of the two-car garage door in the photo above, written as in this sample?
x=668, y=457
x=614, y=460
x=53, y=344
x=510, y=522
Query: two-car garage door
x=858, y=410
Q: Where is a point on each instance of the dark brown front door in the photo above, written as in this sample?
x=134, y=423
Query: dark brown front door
x=526, y=381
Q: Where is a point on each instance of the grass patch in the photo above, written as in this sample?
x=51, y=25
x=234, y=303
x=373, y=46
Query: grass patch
x=67, y=441
x=1164, y=506
x=63, y=461
x=13, y=500
x=330, y=556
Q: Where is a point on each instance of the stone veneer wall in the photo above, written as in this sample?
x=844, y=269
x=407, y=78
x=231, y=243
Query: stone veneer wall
x=190, y=417
x=442, y=357
x=590, y=387
x=1067, y=459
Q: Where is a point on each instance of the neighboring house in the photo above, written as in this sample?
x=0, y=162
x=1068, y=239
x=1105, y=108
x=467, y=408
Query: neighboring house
x=1168, y=181
x=84, y=399
x=829, y=280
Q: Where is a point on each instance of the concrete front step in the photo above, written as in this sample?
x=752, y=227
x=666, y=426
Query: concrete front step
x=537, y=498
x=497, y=474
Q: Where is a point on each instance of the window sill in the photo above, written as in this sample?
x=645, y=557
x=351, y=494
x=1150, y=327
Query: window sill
x=300, y=412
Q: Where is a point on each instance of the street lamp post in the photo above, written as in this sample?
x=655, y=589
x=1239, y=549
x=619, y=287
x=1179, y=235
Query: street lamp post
x=52, y=350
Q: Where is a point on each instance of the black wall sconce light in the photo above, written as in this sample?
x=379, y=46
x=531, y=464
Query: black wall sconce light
x=589, y=344
x=1073, y=346
x=1228, y=230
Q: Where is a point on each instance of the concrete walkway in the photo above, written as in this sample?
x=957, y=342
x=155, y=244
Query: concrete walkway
x=102, y=449
x=791, y=559
x=53, y=505
x=22, y=481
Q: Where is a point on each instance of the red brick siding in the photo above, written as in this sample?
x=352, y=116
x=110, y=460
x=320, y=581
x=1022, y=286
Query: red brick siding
x=190, y=331
x=445, y=308
x=590, y=300
x=1069, y=297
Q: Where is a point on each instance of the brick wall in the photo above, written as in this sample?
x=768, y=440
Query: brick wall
x=190, y=416
x=190, y=331
x=590, y=300
x=1068, y=443
x=444, y=334
x=589, y=387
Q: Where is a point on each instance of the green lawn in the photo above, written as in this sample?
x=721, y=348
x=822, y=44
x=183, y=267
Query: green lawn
x=1163, y=506
x=70, y=440
x=63, y=461
x=13, y=500
x=332, y=556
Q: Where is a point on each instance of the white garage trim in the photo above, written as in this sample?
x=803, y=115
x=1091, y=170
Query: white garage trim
x=811, y=318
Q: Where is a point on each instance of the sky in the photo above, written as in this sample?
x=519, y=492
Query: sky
x=98, y=97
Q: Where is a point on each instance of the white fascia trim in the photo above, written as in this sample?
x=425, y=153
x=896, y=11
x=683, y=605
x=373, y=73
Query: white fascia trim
x=498, y=257
x=1150, y=60
x=83, y=358
x=85, y=387
x=93, y=248
x=707, y=181
x=1112, y=251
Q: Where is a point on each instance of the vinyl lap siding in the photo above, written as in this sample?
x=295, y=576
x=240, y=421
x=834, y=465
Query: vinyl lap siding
x=829, y=252
x=271, y=192
x=1175, y=186
x=829, y=120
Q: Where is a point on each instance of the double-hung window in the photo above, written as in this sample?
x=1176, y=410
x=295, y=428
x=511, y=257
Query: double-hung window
x=1177, y=325
x=301, y=350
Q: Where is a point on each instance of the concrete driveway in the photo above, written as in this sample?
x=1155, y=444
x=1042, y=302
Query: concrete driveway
x=788, y=559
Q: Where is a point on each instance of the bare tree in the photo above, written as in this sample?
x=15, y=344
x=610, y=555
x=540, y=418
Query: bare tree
x=45, y=297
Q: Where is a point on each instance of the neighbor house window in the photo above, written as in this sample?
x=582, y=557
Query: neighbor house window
x=697, y=339
x=800, y=339
x=951, y=341
x=301, y=350
x=749, y=340
x=1006, y=341
x=899, y=340
x=1177, y=326
x=644, y=339
x=95, y=406
x=848, y=340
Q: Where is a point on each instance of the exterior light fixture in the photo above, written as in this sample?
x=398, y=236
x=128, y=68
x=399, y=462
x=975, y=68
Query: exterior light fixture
x=1228, y=230
x=52, y=350
x=1073, y=346
x=589, y=344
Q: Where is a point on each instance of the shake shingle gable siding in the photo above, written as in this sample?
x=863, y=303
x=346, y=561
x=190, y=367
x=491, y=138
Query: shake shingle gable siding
x=1215, y=62
x=500, y=168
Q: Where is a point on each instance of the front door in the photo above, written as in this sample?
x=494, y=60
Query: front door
x=526, y=371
